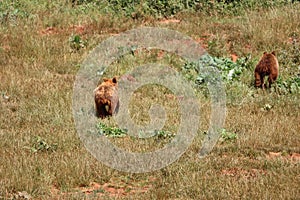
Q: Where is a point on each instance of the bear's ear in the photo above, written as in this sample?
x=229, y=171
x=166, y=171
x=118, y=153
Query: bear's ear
x=265, y=53
x=274, y=53
x=114, y=79
x=105, y=79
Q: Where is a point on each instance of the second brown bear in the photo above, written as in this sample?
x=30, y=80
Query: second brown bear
x=106, y=98
x=267, y=66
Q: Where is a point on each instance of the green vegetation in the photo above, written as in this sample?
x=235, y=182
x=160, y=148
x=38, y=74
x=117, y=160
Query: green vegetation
x=39, y=144
x=290, y=85
x=229, y=70
x=76, y=43
x=110, y=131
x=166, y=8
x=227, y=136
x=42, y=44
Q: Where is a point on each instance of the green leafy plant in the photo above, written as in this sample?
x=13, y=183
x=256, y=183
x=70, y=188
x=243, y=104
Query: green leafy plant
x=236, y=7
x=290, y=85
x=77, y=43
x=163, y=134
x=10, y=11
x=227, y=136
x=160, y=8
x=103, y=129
x=40, y=145
x=229, y=70
x=168, y=8
x=110, y=131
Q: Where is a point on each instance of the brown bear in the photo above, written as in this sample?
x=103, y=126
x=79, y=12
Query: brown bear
x=106, y=98
x=267, y=66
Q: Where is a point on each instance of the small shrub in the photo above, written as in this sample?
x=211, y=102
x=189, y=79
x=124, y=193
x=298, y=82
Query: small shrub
x=227, y=136
x=10, y=11
x=229, y=70
x=77, y=43
x=290, y=85
x=163, y=134
x=236, y=7
x=160, y=8
x=103, y=129
x=110, y=131
x=40, y=145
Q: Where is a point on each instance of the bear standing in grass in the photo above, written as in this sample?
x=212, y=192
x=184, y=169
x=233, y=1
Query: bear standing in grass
x=267, y=66
x=106, y=98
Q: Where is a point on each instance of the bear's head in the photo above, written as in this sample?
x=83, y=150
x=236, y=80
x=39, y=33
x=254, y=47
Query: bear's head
x=109, y=82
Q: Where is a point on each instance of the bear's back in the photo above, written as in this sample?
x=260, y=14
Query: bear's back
x=267, y=64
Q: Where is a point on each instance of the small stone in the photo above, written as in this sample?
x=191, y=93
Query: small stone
x=5, y=97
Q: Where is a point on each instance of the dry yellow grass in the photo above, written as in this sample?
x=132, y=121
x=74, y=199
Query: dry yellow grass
x=37, y=72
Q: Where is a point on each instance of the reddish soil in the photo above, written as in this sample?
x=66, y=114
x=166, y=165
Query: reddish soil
x=111, y=189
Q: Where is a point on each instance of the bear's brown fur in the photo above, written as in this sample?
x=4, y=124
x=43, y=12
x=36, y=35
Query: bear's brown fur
x=267, y=66
x=106, y=98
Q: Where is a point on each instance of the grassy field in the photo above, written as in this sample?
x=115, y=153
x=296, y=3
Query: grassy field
x=42, y=45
